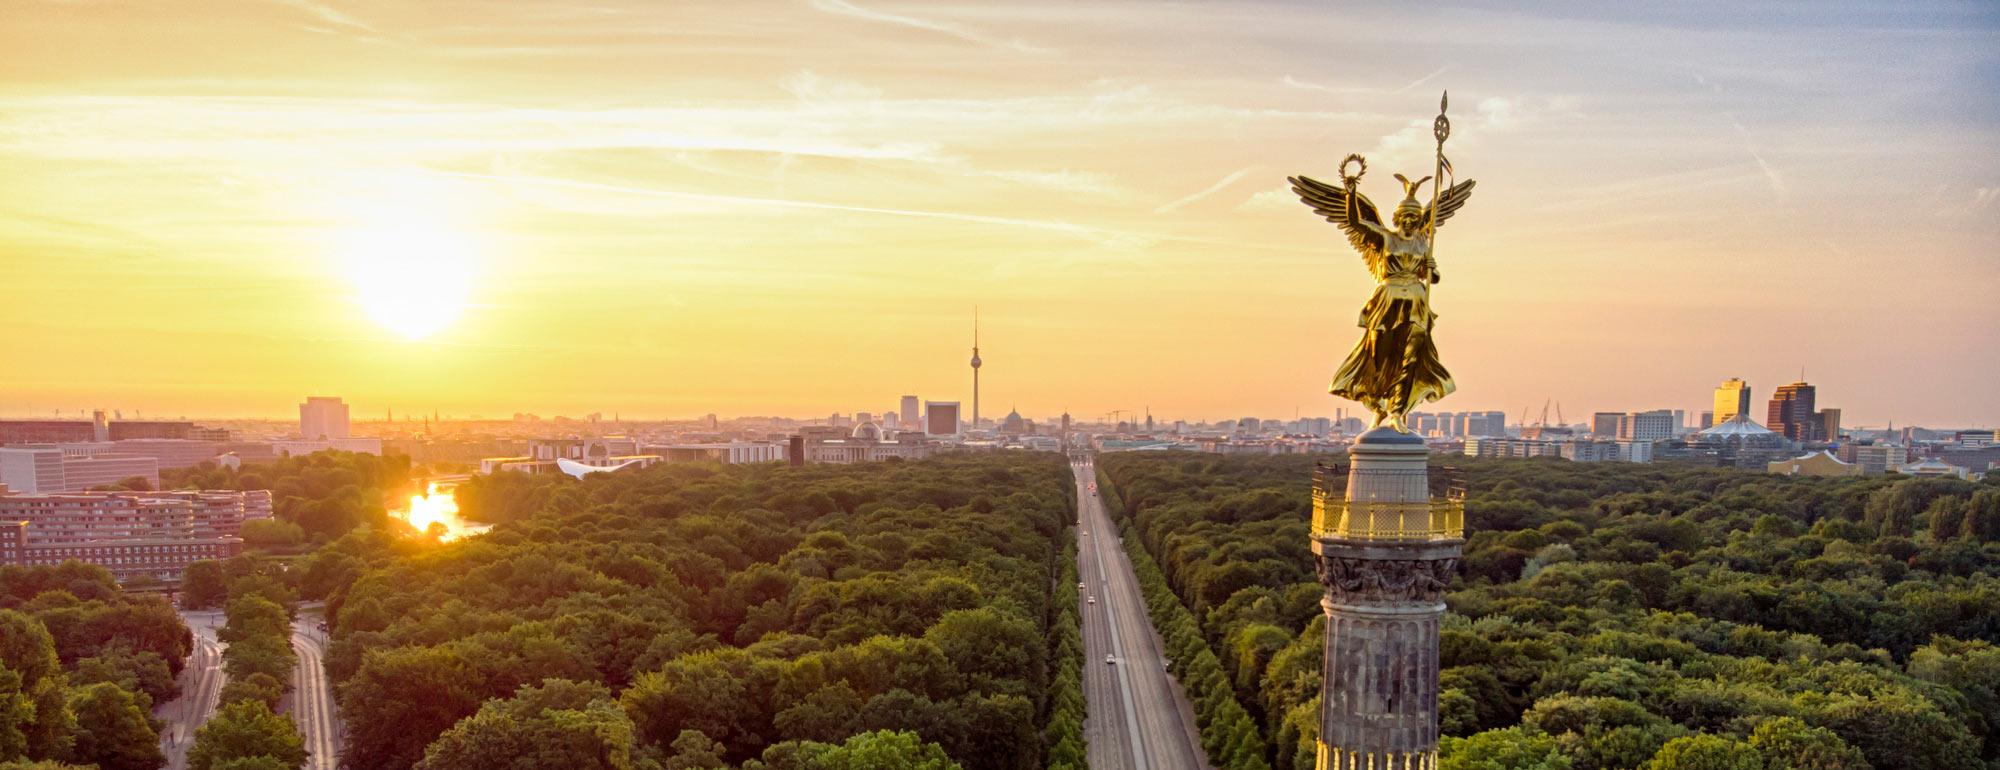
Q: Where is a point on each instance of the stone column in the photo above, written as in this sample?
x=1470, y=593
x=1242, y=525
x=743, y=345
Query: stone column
x=1386, y=548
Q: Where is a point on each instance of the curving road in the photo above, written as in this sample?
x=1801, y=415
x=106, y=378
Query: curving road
x=201, y=688
x=311, y=703
x=1139, y=718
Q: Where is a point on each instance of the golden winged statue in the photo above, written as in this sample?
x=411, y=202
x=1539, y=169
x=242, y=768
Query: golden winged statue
x=1395, y=366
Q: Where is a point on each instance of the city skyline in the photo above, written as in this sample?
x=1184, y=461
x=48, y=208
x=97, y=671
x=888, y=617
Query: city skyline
x=548, y=211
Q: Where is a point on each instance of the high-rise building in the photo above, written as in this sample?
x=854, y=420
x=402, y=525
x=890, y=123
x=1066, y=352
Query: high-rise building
x=323, y=417
x=941, y=418
x=1605, y=424
x=911, y=416
x=1792, y=412
x=1829, y=424
x=1707, y=420
x=1485, y=424
x=1731, y=398
x=975, y=369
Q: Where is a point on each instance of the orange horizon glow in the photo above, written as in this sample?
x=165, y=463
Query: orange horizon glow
x=670, y=209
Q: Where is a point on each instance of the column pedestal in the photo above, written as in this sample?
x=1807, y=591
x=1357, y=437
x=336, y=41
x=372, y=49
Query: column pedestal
x=1386, y=549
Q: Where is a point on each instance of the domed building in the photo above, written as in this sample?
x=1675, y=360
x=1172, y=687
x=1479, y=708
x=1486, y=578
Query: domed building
x=1014, y=425
x=867, y=431
x=1737, y=442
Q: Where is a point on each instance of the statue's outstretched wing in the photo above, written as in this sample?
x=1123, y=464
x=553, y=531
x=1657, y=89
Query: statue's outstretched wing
x=1348, y=211
x=1449, y=201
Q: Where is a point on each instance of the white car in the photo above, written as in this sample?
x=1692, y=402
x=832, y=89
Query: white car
x=1093, y=600
x=1108, y=660
x=1079, y=586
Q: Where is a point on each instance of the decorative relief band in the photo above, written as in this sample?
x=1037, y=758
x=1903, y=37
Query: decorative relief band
x=1350, y=580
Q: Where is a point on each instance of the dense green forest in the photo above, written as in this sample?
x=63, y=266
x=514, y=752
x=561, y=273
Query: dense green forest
x=81, y=665
x=1614, y=615
x=707, y=616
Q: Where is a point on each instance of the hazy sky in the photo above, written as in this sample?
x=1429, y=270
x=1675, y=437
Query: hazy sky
x=670, y=208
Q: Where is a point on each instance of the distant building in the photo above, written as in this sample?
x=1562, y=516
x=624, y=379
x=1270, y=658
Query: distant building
x=303, y=447
x=1875, y=459
x=1792, y=414
x=32, y=470
x=1707, y=420
x=941, y=418
x=1815, y=464
x=1934, y=469
x=323, y=417
x=910, y=415
x=131, y=534
x=1740, y=442
x=543, y=454
x=1014, y=425
x=1605, y=424
x=731, y=453
x=1970, y=439
x=1829, y=424
x=1485, y=424
x=1656, y=425
x=125, y=430
x=1482, y=446
x=170, y=453
x=1635, y=451
x=46, y=431
x=1732, y=398
x=1589, y=451
x=50, y=470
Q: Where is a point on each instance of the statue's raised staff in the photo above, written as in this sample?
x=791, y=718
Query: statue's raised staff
x=1395, y=366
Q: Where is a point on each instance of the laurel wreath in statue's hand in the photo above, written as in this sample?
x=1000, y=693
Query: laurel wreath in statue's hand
x=1350, y=180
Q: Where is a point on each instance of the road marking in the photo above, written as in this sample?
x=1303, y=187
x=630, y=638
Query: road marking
x=1124, y=676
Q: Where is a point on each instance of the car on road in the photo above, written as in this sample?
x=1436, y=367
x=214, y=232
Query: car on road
x=1079, y=585
x=1093, y=600
x=1108, y=660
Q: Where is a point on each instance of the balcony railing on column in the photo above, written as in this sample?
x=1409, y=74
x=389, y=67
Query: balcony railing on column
x=1442, y=517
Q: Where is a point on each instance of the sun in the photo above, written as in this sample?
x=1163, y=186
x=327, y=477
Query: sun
x=412, y=274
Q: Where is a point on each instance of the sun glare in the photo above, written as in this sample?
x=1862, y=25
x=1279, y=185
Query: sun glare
x=411, y=275
x=437, y=508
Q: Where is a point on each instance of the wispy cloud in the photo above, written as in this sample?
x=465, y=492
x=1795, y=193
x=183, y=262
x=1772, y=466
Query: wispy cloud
x=1204, y=192
x=1066, y=228
x=1360, y=90
x=1771, y=175
x=844, y=8
x=329, y=14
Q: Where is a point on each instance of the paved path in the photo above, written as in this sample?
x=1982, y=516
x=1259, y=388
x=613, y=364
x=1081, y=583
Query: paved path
x=201, y=688
x=311, y=703
x=1138, y=716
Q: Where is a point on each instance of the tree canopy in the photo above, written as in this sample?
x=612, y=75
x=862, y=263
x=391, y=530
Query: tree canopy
x=1609, y=615
x=699, y=614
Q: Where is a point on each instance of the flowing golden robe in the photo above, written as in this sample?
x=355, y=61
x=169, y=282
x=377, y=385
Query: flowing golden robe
x=1395, y=366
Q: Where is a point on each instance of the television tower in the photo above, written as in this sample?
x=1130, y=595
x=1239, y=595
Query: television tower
x=975, y=367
